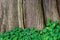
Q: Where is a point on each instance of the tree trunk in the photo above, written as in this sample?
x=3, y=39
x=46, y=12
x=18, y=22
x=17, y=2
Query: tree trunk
x=1, y=14
x=34, y=14
x=58, y=5
x=20, y=15
x=24, y=12
x=10, y=15
x=15, y=13
x=50, y=9
x=4, y=16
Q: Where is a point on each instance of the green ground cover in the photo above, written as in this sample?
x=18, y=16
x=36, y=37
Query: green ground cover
x=50, y=32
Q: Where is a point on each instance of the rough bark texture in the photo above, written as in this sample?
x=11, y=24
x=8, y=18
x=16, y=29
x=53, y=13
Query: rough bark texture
x=50, y=9
x=0, y=9
x=54, y=10
x=1, y=14
x=13, y=14
x=34, y=15
x=24, y=12
x=9, y=15
x=20, y=15
x=27, y=13
x=3, y=25
x=58, y=6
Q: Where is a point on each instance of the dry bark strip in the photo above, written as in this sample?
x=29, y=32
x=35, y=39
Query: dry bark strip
x=0, y=8
x=20, y=15
x=4, y=16
x=1, y=14
x=34, y=14
x=50, y=9
x=24, y=12
x=15, y=13
x=58, y=5
x=10, y=15
x=55, y=11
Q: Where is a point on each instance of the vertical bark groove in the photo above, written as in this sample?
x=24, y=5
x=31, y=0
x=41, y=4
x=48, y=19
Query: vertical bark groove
x=50, y=9
x=34, y=14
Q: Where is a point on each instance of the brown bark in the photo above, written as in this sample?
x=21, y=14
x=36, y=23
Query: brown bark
x=0, y=9
x=15, y=13
x=10, y=15
x=58, y=5
x=4, y=16
x=20, y=15
x=24, y=12
x=55, y=11
x=50, y=9
x=1, y=14
x=34, y=14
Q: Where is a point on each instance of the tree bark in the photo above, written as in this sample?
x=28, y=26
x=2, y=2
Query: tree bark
x=34, y=14
x=4, y=16
x=24, y=12
x=10, y=15
x=20, y=15
x=15, y=13
x=0, y=8
x=58, y=6
x=1, y=14
x=50, y=9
